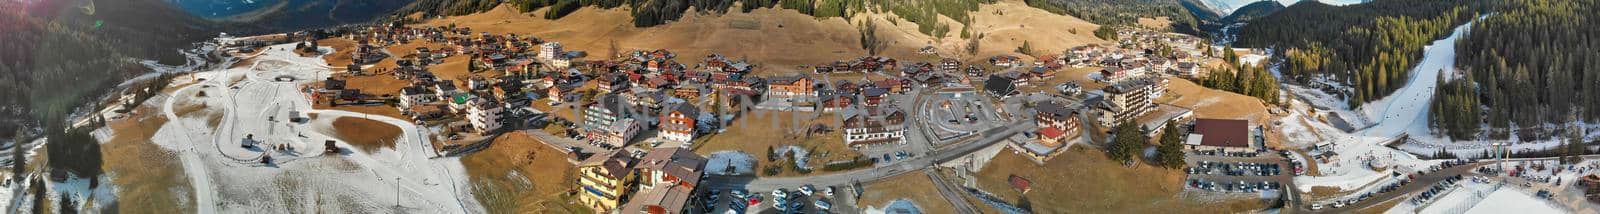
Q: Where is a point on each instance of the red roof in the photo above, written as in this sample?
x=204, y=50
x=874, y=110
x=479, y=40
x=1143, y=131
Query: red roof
x=1022, y=184
x=1051, y=132
x=1223, y=133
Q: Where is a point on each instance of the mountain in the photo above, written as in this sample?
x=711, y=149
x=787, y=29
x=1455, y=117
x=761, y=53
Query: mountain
x=1253, y=10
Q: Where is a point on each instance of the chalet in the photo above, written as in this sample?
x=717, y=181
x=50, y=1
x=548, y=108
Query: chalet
x=678, y=123
x=974, y=71
x=834, y=103
x=669, y=183
x=1113, y=74
x=413, y=95
x=791, y=86
x=425, y=112
x=1056, y=123
x=551, y=51
x=562, y=93
x=445, y=88
x=871, y=97
x=949, y=65
x=606, y=179
x=1000, y=86
x=873, y=125
x=1006, y=61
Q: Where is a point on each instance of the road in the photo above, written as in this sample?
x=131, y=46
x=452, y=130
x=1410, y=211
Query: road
x=867, y=175
x=1421, y=183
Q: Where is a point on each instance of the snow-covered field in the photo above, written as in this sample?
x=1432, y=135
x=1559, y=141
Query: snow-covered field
x=301, y=178
x=1510, y=200
x=718, y=162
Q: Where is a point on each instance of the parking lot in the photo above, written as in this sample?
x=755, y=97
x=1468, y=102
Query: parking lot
x=1239, y=172
x=803, y=199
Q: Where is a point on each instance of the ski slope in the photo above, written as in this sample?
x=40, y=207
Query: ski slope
x=228, y=178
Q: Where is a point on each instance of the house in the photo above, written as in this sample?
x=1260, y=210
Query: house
x=561, y=92
x=484, y=114
x=1056, y=122
x=834, y=103
x=1006, y=61
x=1125, y=101
x=873, y=125
x=974, y=71
x=669, y=182
x=791, y=86
x=605, y=178
x=1000, y=86
x=1113, y=73
x=425, y=112
x=445, y=88
x=621, y=132
x=873, y=96
x=949, y=65
x=1221, y=134
x=678, y=124
x=413, y=95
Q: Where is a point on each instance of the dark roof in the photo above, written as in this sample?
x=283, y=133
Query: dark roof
x=1054, y=108
x=615, y=162
x=1000, y=85
x=1223, y=133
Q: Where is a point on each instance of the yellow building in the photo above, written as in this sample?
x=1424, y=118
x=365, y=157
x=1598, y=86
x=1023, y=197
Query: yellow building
x=605, y=179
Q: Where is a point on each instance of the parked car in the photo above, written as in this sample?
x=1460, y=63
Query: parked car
x=807, y=190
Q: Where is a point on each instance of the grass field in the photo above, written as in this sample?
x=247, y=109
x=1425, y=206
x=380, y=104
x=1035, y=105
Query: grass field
x=1158, y=23
x=758, y=133
x=1212, y=103
x=149, y=178
x=369, y=135
x=1084, y=180
x=518, y=174
x=778, y=40
x=916, y=187
x=1065, y=75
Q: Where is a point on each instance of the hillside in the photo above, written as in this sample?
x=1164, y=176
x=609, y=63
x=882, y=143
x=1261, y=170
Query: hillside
x=1253, y=10
x=780, y=39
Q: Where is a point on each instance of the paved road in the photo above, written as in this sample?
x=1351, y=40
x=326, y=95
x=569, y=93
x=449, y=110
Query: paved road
x=866, y=175
x=1423, y=182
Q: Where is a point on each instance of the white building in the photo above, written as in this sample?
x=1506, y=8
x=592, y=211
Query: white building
x=551, y=51
x=484, y=115
x=410, y=96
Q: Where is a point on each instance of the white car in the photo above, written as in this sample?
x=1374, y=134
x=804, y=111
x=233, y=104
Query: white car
x=807, y=190
x=1316, y=206
x=823, y=205
x=828, y=191
x=780, y=193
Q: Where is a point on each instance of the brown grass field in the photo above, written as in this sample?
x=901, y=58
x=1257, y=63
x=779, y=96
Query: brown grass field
x=369, y=135
x=1158, y=23
x=1084, y=180
x=341, y=52
x=519, y=174
x=148, y=177
x=785, y=38
x=913, y=186
x=758, y=133
x=1212, y=103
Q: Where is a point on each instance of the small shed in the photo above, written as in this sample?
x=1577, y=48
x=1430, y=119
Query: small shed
x=1021, y=184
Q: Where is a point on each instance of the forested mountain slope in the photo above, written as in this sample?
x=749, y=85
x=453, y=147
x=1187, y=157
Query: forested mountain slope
x=1368, y=47
x=1530, y=63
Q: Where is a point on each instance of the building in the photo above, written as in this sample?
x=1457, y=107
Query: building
x=678, y=124
x=866, y=126
x=1056, y=123
x=669, y=182
x=949, y=65
x=551, y=51
x=485, y=115
x=598, y=116
x=411, y=96
x=605, y=179
x=1125, y=101
x=620, y=132
x=791, y=86
x=1000, y=86
x=1221, y=134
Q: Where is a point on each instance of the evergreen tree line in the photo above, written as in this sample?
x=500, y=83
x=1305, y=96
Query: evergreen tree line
x=1254, y=81
x=1122, y=12
x=1533, y=65
x=1370, y=47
